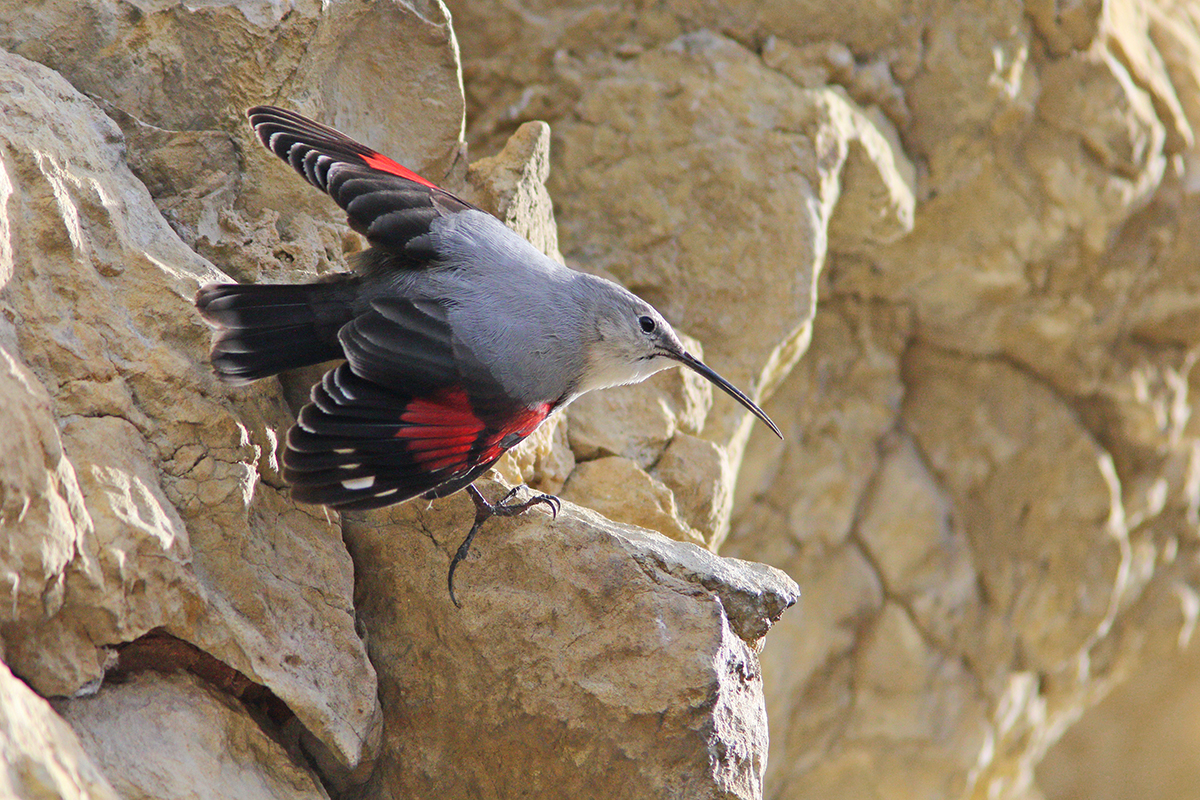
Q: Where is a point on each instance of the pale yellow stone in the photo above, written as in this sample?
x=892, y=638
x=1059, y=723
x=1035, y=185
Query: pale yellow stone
x=147, y=492
x=512, y=185
x=725, y=204
x=632, y=654
x=42, y=756
x=700, y=478
x=989, y=484
x=172, y=736
x=637, y=421
x=622, y=491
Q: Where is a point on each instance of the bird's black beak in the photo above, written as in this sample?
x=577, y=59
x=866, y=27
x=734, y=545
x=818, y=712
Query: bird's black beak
x=698, y=366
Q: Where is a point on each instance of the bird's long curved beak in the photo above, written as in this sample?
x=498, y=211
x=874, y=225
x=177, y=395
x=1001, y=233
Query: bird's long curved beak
x=698, y=366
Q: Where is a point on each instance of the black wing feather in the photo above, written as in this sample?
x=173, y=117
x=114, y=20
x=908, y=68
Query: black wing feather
x=406, y=415
x=386, y=202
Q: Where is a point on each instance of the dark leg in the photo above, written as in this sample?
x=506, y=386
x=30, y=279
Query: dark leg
x=485, y=511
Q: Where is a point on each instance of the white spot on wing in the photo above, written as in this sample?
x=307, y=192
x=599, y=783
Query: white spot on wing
x=359, y=483
x=385, y=494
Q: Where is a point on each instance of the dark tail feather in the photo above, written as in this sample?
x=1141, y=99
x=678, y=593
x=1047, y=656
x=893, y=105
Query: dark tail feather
x=266, y=329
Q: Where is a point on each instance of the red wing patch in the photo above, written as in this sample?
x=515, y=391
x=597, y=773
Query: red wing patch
x=385, y=164
x=519, y=426
x=442, y=431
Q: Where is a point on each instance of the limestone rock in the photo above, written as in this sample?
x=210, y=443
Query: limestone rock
x=622, y=491
x=170, y=736
x=1029, y=492
x=42, y=756
x=988, y=488
x=699, y=475
x=179, y=78
x=1049, y=277
x=157, y=484
x=181, y=525
x=512, y=185
x=1131, y=741
x=907, y=529
x=181, y=67
x=662, y=132
x=608, y=656
x=997, y=444
x=543, y=461
x=43, y=518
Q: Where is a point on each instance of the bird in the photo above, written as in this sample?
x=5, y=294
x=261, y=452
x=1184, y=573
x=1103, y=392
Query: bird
x=456, y=337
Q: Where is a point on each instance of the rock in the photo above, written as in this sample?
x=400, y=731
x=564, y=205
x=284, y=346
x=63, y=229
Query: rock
x=610, y=657
x=987, y=488
x=181, y=524
x=42, y=508
x=179, y=80
x=916, y=696
x=170, y=736
x=158, y=486
x=843, y=400
x=1131, y=37
x=182, y=68
x=622, y=491
x=543, y=461
x=699, y=476
x=1131, y=739
x=41, y=754
x=512, y=186
x=663, y=133
x=907, y=529
x=1006, y=505
x=1001, y=436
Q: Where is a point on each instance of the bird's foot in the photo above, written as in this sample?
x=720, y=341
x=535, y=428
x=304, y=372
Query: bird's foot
x=485, y=511
x=506, y=509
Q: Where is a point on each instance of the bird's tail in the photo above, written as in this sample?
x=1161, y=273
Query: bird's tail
x=265, y=329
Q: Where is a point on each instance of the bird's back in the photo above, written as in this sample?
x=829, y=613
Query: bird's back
x=516, y=309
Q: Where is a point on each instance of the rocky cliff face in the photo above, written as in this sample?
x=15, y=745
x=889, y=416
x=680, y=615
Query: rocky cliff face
x=948, y=245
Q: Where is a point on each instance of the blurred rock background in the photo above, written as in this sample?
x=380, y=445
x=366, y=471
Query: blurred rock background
x=949, y=246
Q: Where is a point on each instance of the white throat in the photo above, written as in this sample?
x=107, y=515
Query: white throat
x=606, y=368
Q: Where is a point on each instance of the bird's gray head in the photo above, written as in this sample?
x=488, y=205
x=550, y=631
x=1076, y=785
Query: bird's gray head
x=632, y=341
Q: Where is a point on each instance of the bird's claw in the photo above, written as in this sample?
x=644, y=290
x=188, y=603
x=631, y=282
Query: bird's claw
x=506, y=509
x=484, y=511
x=552, y=501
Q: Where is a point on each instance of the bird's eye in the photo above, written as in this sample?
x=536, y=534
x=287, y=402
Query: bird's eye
x=647, y=324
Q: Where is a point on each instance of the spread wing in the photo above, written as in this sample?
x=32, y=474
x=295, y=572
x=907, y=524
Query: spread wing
x=384, y=201
x=410, y=412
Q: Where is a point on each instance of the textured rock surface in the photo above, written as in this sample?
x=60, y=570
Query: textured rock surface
x=155, y=490
x=660, y=132
x=989, y=476
x=40, y=755
x=608, y=656
x=1137, y=742
x=142, y=501
x=978, y=219
x=170, y=736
